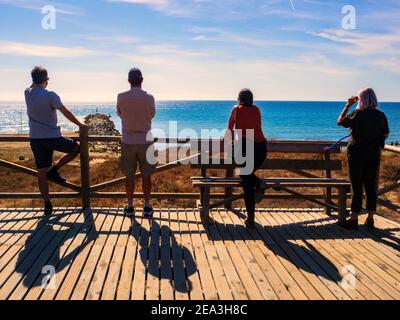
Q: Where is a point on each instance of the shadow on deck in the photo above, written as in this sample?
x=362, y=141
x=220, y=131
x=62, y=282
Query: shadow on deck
x=292, y=254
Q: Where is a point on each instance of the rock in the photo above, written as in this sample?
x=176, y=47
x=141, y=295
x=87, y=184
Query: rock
x=102, y=125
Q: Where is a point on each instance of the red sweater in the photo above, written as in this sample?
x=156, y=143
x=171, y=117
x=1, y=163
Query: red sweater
x=248, y=118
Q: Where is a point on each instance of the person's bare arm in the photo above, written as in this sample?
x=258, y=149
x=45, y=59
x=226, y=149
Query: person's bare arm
x=70, y=116
x=352, y=101
x=153, y=108
x=118, y=107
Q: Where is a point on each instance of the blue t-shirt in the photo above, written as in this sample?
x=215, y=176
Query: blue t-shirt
x=42, y=106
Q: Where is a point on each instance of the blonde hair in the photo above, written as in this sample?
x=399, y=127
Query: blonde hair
x=367, y=99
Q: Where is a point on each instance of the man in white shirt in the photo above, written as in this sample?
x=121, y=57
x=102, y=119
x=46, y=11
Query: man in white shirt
x=136, y=108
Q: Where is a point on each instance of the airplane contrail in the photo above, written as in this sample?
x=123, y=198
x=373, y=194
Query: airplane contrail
x=291, y=2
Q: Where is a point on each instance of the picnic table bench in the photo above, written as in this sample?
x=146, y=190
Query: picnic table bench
x=285, y=184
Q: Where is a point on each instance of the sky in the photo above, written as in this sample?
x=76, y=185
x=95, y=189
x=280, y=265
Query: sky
x=203, y=49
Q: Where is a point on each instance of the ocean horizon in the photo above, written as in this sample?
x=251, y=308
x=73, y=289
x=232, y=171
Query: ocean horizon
x=283, y=120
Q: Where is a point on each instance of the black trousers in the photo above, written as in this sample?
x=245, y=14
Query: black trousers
x=251, y=182
x=364, y=173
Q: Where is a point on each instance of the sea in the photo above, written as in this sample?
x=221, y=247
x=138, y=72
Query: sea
x=283, y=120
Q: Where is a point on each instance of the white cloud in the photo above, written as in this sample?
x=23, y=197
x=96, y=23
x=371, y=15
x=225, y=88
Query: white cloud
x=113, y=39
x=363, y=43
x=233, y=9
x=369, y=49
x=39, y=4
x=37, y=50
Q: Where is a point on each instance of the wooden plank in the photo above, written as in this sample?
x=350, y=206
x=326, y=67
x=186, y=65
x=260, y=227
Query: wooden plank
x=191, y=269
x=97, y=283
x=11, y=222
x=276, y=164
x=300, y=259
x=38, y=195
x=68, y=286
x=361, y=291
x=219, y=283
x=159, y=169
x=62, y=257
x=166, y=281
x=32, y=172
x=87, y=271
x=250, y=261
x=388, y=188
x=377, y=266
x=203, y=266
x=240, y=262
x=317, y=262
x=291, y=262
x=115, y=267
x=181, y=286
x=138, y=284
x=27, y=270
x=310, y=199
x=128, y=265
x=261, y=254
x=395, y=149
x=22, y=244
x=272, y=182
x=81, y=240
x=84, y=164
x=195, y=195
x=286, y=271
x=232, y=275
x=153, y=270
x=328, y=194
x=379, y=287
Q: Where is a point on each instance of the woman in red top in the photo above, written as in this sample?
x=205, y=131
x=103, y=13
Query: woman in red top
x=244, y=117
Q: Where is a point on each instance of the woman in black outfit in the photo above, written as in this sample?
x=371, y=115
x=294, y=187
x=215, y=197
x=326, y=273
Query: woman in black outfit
x=246, y=119
x=369, y=130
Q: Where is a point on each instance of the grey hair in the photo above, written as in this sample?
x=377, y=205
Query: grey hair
x=367, y=99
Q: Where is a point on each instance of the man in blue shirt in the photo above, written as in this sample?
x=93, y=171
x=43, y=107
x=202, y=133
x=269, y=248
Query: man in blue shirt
x=45, y=134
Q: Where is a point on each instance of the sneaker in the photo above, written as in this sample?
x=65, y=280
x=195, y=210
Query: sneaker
x=129, y=211
x=148, y=211
x=369, y=223
x=349, y=224
x=48, y=208
x=54, y=175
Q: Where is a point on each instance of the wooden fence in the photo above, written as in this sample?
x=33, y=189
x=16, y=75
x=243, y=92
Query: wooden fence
x=86, y=192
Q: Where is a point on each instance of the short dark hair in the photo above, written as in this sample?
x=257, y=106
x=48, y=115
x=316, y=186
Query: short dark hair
x=135, y=76
x=39, y=75
x=246, y=98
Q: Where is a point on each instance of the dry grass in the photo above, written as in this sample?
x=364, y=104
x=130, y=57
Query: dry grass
x=104, y=167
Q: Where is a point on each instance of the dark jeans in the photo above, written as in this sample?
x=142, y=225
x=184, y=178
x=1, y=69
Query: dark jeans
x=251, y=182
x=363, y=173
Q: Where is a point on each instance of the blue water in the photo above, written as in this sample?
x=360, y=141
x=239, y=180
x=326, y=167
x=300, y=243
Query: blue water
x=281, y=119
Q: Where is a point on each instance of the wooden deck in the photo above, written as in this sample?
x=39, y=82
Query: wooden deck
x=293, y=254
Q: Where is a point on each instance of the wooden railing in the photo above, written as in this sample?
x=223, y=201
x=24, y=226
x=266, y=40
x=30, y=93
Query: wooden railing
x=86, y=192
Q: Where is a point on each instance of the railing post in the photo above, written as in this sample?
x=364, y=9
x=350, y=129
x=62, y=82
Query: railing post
x=328, y=192
x=85, y=183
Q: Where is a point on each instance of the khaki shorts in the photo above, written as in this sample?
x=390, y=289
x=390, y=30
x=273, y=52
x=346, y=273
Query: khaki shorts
x=132, y=154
